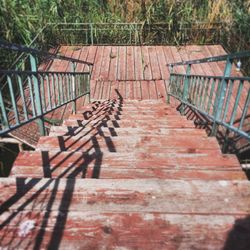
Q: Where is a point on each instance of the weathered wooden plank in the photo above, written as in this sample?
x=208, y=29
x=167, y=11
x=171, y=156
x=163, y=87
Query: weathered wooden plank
x=122, y=63
x=161, y=89
x=162, y=62
x=147, y=72
x=156, y=72
x=130, y=72
x=106, y=59
x=187, y=197
x=138, y=63
x=152, y=90
x=114, y=57
x=98, y=63
x=127, y=231
x=145, y=89
x=113, y=144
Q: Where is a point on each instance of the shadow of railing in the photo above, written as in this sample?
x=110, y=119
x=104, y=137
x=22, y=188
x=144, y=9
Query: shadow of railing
x=229, y=142
x=47, y=191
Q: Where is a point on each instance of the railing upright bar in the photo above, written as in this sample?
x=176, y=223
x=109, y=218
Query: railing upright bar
x=4, y=114
x=31, y=96
x=60, y=82
x=48, y=91
x=210, y=99
x=53, y=90
x=244, y=113
x=37, y=93
x=236, y=103
x=197, y=90
x=13, y=100
x=171, y=70
x=201, y=91
x=221, y=97
x=73, y=81
x=57, y=90
x=20, y=83
x=205, y=96
x=229, y=95
x=42, y=91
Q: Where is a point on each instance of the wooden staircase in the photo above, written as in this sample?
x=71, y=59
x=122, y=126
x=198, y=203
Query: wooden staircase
x=125, y=174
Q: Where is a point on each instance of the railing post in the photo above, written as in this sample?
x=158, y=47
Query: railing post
x=185, y=88
x=91, y=33
x=37, y=93
x=73, y=69
x=221, y=96
x=88, y=82
x=171, y=70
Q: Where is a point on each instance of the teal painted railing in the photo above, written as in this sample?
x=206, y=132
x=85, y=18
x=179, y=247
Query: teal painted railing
x=30, y=95
x=224, y=100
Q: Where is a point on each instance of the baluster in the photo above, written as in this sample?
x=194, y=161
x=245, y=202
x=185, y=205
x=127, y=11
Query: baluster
x=221, y=96
x=37, y=93
x=13, y=100
x=4, y=117
x=49, y=92
x=73, y=82
x=20, y=83
x=245, y=109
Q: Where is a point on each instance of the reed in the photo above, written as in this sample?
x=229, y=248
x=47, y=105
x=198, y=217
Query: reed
x=21, y=19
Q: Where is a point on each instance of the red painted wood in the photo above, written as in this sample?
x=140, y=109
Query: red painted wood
x=104, y=71
x=161, y=89
x=97, y=63
x=138, y=90
x=147, y=72
x=156, y=72
x=122, y=66
x=164, y=184
x=92, y=53
x=153, y=90
x=145, y=90
x=134, y=230
x=114, y=57
x=162, y=62
x=130, y=72
x=138, y=63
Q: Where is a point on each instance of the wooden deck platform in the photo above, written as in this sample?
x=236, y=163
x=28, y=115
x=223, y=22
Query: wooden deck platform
x=130, y=72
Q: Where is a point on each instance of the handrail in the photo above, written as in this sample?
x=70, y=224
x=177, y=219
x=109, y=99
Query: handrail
x=215, y=77
x=224, y=100
x=21, y=48
x=232, y=56
x=39, y=92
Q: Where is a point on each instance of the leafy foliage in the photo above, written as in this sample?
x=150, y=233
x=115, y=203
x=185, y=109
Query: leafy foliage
x=20, y=20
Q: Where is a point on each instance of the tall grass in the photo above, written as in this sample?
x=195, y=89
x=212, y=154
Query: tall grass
x=21, y=19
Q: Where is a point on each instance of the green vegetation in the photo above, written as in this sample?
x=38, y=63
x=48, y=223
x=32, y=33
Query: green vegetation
x=20, y=20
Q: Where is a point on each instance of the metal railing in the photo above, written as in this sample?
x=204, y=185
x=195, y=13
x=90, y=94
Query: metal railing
x=32, y=94
x=224, y=100
x=136, y=33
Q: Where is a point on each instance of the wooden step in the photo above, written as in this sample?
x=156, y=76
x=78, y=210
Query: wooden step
x=116, y=144
x=105, y=131
x=163, y=123
x=187, y=197
x=123, y=119
x=205, y=164
x=131, y=230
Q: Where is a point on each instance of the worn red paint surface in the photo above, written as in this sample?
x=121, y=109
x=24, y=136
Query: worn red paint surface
x=127, y=174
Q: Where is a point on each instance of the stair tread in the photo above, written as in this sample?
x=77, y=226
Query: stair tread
x=142, y=195
x=114, y=144
x=108, y=131
x=131, y=230
x=127, y=172
x=127, y=165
